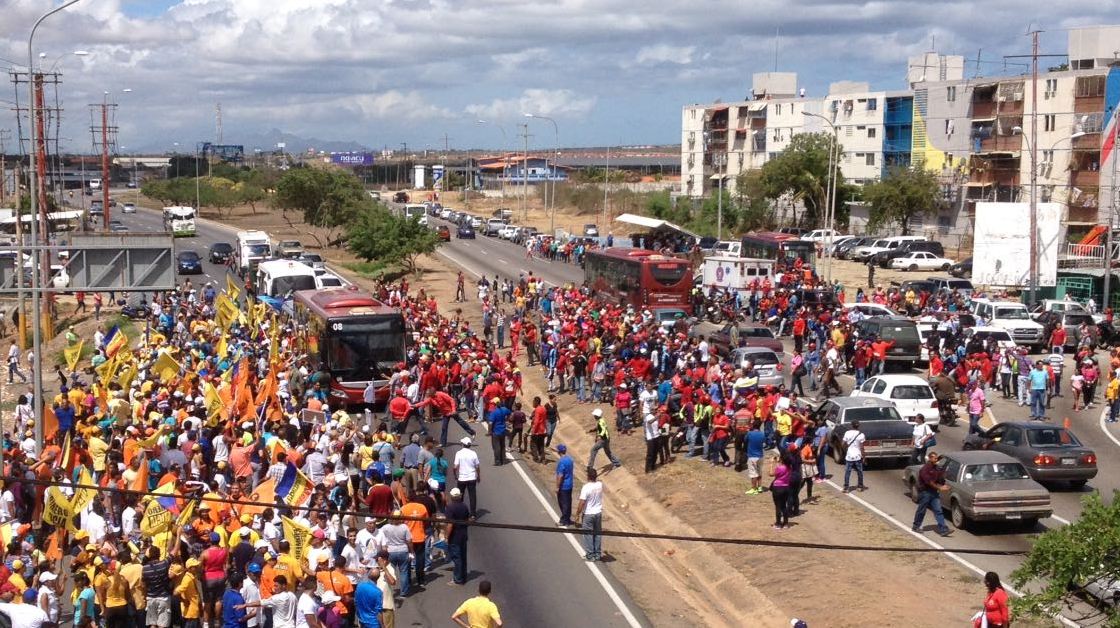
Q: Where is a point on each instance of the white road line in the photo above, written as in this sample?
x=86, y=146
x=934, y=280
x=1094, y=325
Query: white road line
x=1060, y=519
x=485, y=252
x=459, y=263
x=502, y=261
x=934, y=544
x=1104, y=428
x=595, y=569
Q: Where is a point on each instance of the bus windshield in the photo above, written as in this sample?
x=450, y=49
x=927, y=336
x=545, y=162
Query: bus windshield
x=284, y=285
x=256, y=250
x=668, y=274
x=364, y=349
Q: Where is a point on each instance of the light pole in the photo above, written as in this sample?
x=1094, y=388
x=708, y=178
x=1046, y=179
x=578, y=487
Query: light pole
x=830, y=190
x=36, y=325
x=1114, y=200
x=552, y=204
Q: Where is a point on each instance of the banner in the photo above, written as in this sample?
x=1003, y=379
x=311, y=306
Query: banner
x=298, y=537
x=185, y=516
x=165, y=367
x=73, y=354
x=83, y=497
x=57, y=509
x=156, y=519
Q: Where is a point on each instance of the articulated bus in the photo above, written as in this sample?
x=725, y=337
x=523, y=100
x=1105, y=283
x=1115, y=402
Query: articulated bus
x=639, y=277
x=780, y=247
x=351, y=335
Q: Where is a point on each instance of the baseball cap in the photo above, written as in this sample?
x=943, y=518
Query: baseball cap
x=319, y=534
x=466, y=441
x=596, y=413
x=561, y=448
x=254, y=568
x=455, y=492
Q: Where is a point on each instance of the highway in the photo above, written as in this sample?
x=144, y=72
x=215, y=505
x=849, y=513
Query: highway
x=539, y=579
x=886, y=496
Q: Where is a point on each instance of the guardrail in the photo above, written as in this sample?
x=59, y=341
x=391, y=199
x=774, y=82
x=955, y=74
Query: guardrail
x=1080, y=256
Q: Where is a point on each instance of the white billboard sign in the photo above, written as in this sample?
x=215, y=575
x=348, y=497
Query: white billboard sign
x=1002, y=248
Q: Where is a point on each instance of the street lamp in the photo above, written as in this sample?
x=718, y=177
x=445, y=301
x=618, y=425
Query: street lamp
x=552, y=203
x=33, y=181
x=830, y=190
x=59, y=58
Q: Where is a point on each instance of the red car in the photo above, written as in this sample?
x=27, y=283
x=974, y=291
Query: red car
x=444, y=233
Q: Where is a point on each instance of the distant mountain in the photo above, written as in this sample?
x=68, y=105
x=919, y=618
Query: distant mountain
x=292, y=143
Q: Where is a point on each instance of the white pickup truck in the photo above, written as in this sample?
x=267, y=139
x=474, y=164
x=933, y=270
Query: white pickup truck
x=1013, y=317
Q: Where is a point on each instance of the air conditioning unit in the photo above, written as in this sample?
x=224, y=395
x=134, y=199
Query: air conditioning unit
x=1017, y=96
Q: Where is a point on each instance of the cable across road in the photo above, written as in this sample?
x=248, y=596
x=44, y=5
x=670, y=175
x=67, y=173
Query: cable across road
x=652, y=536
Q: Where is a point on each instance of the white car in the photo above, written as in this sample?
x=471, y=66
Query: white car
x=822, y=235
x=423, y=220
x=870, y=309
x=445, y=213
x=329, y=280
x=911, y=394
x=921, y=260
x=129, y=208
x=508, y=232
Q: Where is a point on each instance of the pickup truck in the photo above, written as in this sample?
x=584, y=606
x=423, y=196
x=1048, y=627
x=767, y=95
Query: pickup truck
x=289, y=249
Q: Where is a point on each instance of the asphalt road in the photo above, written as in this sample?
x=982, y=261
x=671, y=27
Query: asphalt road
x=539, y=579
x=886, y=496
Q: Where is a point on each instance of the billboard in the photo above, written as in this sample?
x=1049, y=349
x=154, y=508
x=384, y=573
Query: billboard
x=1109, y=135
x=352, y=158
x=234, y=153
x=1002, y=248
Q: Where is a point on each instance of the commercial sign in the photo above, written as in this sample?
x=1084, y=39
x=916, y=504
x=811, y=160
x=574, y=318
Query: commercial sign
x=352, y=158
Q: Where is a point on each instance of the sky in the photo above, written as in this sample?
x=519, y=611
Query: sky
x=609, y=72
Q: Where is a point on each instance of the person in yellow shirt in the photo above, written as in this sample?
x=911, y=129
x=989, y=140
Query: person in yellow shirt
x=187, y=591
x=16, y=579
x=479, y=611
x=783, y=423
x=98, y=450
x=289, y=566
x=114, y=608
x=133, y=573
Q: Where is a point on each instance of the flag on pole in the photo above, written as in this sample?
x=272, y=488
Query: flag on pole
x=73, y=353
x=115, y=340
x=265, y=493
x=165, y=367
x=50, y=422
x=232, y=289
x=140, y=482
x=298, y=537
x=294, y=487
x=83, y=497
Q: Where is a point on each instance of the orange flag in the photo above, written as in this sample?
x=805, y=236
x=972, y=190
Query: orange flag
x=54, y=546
x=264, y=493
x=50, y=422
x=140, y=482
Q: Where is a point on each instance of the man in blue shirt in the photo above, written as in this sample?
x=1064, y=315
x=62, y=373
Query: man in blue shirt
x=497, y=419
x=64, y=412
x=368, y=601
x=756, y=441
x=1040, y=381
x=565, y=469
x=233, y=604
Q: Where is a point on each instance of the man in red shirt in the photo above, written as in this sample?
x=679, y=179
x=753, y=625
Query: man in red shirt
x=1058, y=340
x=538, y=429
x=622, y=409
x=379, y=500
x=444, y=406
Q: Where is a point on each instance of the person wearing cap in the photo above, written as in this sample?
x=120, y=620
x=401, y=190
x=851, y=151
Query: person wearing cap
x=602, y=440
x=251, y=593
x=565, y=482
x=213, y=561
x=468, y=472
x=318, y=555
x=187, y=592
x=455, y=531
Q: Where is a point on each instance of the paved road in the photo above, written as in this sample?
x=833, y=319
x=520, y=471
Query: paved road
x=886, y=496
x=539, y=579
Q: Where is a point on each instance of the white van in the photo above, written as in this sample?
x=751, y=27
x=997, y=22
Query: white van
x=278, y=278
x=1012, y=317
x=884, y=244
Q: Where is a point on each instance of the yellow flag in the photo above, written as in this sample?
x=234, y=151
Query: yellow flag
x=212, y=398
x=127, y=375
x=225, y=311
x=151, y=440
x=73, y=354
x=156, y=518
x=223, y=346
x=232, y=289
x=165, y=366
x=58, y=510
x=107, y=370
x=298, y=536
x=83, y=497
x=186, y=514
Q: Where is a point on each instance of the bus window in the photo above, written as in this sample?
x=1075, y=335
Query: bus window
x=668, y=274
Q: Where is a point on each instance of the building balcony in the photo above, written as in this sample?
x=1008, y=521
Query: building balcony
x=1085, y=179
x=1001, y=144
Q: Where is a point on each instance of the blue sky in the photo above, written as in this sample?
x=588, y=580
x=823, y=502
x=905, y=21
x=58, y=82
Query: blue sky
x=381, y=73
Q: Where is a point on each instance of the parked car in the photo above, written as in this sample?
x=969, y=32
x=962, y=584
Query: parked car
x=524, y=233
x=508, y=232
x=118, y=228
x=289, y=249
x=465, y=232
x=950, y=284
x=313, y=260
x=444, y=233
x=766, y=363
x=590, y=231
x=845, y=248
x=962, y=268
x=870, y=309
x=887, y=435
x=795, y=231
x=188, y=263
x=883, y=258
x=1071, y=321
x=920, y=260
x=731, y=335
x=907, y=347
x=477, y=223
x=445, y=213
x=494, y=227
x=911, y=394
x=400, y=197
x=1050, y=453
x=220, y=252
x=669, y=317
x=129, y=208
x=328, y=280
x=861, y=254
x=1002, y=339
x=986, y=486
x=822, y=235
x=113, y=224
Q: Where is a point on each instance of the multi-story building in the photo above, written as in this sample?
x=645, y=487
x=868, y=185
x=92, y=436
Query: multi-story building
x=974, y=132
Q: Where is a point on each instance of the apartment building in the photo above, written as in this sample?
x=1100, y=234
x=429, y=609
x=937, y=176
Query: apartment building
x=974, y=132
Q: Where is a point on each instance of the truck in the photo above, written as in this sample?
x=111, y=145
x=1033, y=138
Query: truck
x=1012, y=317
x=179, y=220
x=253, y=247
x=733, y=273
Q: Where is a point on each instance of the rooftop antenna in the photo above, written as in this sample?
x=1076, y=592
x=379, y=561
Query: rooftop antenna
x=777, y=43
x=218, y=117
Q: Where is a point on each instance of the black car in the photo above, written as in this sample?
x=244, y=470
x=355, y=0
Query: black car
x=465, y=232
x=883, y=258
x=400, y=197
x=810, y=298
x=962, y=268
x=907, y=347
x=188, y=263
x=842, y=249
x=221, y=252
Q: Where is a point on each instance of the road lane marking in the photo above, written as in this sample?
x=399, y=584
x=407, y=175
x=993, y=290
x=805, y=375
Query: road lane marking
x=594, y=567
x=1104, y=427
x=502, y=261
x=459, y=264
x=485, y=252
x=934, y=544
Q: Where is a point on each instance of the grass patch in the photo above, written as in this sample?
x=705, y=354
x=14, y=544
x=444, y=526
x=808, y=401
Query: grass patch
x=373, y=270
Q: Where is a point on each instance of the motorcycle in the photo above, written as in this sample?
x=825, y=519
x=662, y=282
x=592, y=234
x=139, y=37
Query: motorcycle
x=947, y=413
x=139, y=311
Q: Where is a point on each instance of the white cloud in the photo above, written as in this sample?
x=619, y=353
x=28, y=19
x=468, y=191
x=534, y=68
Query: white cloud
x=665, y=53
x=542, y=102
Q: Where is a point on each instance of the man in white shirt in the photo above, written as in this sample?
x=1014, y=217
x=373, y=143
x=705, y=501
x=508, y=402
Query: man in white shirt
x=468, y=472
x=26, y=615
x=923, y=439
x=250, y=590
x=369, y=542
x=649, y=425
x=307, y=609
x=853, y=456
x=648, y=399
x=590, y=510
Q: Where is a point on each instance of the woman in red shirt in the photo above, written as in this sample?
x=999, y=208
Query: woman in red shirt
x=721, y=430
x=995, y=604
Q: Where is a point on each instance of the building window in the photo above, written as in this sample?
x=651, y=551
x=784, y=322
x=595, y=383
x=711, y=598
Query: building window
x=1048, y=156
x=949, y=160
x=871, y=132
x=778, y=109
x=951, y=93
x=1051, y=89
x=1048, y=121
x=872, y=104
x=1089, y=87
x=870, y=159
x=848, y=131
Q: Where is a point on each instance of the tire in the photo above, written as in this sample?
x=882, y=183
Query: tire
x=968, y=446
x=945, y=267
x=913, y=267
x=960, y=520
x=837, y=455
x=1078, y=484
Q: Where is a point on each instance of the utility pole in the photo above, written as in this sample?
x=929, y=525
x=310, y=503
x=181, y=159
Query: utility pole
x=5, y=134
x=104, y=134
x=1111, y=135
x=606, y=189
x=525, y=172
x=443, y=162
x=1034, y=172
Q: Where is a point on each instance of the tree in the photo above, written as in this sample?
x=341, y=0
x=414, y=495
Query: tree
x=1069, y=557
x=377, y=234
x=801, y=172
x=327, y=198
x=905, y=193
x=250, y=193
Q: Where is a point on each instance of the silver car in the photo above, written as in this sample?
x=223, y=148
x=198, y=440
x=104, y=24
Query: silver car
x=765, y=361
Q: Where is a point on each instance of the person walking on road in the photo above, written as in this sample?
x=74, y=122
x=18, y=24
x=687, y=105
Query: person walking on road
x=923, y=439
x=602, y=440
x=976, y=403
x=13, y=364
x=853, y=456
x=468, y=472
x=498, y=420
x=479, y=611
x=455, y=531
x=931, y=483
x=649, y=424
x=1039, y=380
x=565, y=480
x=589, y=514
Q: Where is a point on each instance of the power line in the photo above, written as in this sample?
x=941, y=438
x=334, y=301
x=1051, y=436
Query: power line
x=533, y=528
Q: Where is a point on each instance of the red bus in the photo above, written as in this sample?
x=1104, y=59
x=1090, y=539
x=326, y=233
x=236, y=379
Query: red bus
x=351, y=335
x=780, y=247
x=638, y=277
